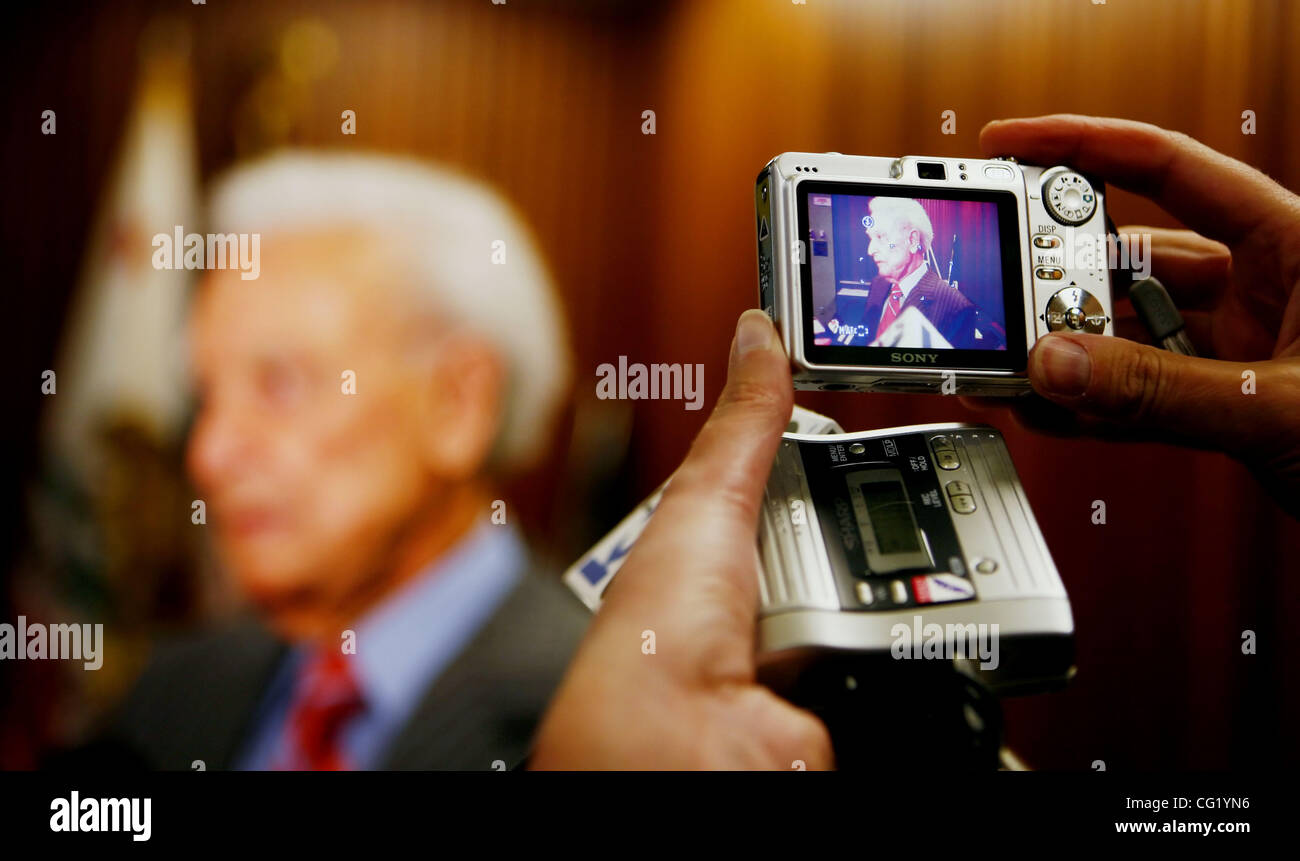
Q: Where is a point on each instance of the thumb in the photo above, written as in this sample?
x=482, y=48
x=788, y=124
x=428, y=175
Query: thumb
x=738, y=443
x=1243, y=408
x=729, y=462
x=692, y=569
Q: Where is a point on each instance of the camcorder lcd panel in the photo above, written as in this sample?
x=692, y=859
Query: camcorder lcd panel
x=921, y=274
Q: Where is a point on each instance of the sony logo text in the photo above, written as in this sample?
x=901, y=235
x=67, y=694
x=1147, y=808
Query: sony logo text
x=914, y=358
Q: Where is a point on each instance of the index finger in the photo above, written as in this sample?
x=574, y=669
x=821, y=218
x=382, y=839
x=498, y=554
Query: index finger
x=1206, y=190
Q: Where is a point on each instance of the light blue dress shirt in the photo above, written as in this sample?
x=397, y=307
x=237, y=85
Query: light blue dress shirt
x=403, y=645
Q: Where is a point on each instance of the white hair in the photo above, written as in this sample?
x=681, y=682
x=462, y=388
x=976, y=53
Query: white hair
x=448, y=228
x=907, y=214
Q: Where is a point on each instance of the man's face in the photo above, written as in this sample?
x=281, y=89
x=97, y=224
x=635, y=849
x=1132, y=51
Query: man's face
x=890, y=248
x=307, y=486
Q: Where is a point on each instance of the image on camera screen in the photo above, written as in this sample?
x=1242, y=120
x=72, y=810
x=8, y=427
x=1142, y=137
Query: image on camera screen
x=912, y=272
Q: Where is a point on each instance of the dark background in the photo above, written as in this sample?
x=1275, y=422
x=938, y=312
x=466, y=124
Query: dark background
x=651, y=238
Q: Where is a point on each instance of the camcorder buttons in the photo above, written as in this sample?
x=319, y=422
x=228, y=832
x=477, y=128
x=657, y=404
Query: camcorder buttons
x=962, y=504
x=1069, y=197
x=865, y=593
x=945, y=455
x=960, y=497
x=1047, y=240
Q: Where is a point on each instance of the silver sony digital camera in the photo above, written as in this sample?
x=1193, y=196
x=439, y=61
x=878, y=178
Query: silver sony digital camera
x=908, y=543
x=921, y=274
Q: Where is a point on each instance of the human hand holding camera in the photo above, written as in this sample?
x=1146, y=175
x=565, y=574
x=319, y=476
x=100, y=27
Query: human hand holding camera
x=1235, y=275
x=691, y=580
x=691, y=583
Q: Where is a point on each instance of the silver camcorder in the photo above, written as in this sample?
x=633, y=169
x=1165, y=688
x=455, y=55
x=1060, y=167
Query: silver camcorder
x=921, y=274
x=905, y=544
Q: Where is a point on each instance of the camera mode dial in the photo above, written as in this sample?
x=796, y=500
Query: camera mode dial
x=1068, y=196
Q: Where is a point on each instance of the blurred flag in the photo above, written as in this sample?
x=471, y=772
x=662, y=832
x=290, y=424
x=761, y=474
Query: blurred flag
x=112, y=536
x=121, y=359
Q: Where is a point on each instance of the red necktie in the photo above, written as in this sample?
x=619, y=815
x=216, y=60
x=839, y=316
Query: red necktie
x=325, y=699
x=893, y=305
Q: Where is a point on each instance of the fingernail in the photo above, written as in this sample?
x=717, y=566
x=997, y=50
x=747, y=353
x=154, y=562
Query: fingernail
x=753, y=331
x=1065, y=368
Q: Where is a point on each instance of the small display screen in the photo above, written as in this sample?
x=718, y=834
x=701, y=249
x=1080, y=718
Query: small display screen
x=891, y=540
x=891, y=517
x=892, y=268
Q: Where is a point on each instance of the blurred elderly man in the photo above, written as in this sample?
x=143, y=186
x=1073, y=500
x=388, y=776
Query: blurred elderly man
x=401, y=349
x=901, y=236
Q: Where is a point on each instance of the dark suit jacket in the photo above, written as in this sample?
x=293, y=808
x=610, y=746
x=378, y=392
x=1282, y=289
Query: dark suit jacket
x=951, y=313
x=198, y=698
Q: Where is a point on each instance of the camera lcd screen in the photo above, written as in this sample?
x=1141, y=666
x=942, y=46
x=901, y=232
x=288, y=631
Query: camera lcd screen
x=891, y=522
x=885, y=521
x=889, y=271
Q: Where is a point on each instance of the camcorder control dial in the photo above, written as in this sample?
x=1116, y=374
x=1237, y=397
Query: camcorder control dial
x=1068, y=196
